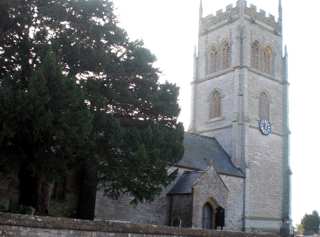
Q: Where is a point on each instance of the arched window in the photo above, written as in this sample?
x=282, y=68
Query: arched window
x=255, y=55
x=267, y=60
x=264, y=106
x=215, y=110
x=207, y=216
x=213, y=59
x=226, y=55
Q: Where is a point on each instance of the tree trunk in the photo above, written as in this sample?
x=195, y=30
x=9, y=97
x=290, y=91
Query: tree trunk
x=43, y=195
x=27, y=187
x=88, y=189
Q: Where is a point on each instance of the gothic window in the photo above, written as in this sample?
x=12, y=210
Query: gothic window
x=215, y=111
x=207, y=216
x=213, y=61
x=255, y=55
x=267, y=60
x=226, y=55
x=264, y=106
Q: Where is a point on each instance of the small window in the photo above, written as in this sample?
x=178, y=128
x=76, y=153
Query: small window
x=264, y=106
x=215, y=111
x=207, y=216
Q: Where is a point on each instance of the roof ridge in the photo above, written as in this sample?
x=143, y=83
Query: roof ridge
x=203, y=136
x=222, y=149
x=193, y=171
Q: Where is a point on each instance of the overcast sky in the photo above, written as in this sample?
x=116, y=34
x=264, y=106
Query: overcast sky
x=169, y=30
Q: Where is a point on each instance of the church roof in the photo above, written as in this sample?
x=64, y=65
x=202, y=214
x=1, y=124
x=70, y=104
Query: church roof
x=200, y=151
x=185, y=182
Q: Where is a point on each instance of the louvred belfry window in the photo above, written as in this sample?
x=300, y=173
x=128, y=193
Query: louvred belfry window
x=255, y=55
x=267, y=60
x=226, y=56
x=213, y=61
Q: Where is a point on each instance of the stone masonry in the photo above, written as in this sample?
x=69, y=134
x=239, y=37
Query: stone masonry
x=32, y=226
x=263, y=159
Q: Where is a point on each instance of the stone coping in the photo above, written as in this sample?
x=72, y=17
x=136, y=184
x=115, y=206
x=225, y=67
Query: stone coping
x=113, y=227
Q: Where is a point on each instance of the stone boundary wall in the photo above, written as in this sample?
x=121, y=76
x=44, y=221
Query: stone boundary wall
x=33, y=226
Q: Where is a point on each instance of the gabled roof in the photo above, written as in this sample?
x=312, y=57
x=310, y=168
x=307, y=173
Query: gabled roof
x=185, y=182
x=200, y=151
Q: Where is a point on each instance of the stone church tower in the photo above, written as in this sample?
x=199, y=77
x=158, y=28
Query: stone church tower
x=240, y=97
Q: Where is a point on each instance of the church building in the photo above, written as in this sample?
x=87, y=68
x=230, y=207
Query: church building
x=235, y=170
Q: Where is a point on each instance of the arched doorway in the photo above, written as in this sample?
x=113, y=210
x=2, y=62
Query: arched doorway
x=207, y=216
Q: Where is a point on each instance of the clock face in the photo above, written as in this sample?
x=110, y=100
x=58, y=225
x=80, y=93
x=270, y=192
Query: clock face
x=265, y=127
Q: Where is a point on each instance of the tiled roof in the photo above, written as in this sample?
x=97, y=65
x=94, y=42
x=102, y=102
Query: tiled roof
x=185, y=182
x=200, y=151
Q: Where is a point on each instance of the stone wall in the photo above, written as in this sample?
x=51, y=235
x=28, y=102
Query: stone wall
x=211, y=189
x=234, y=210
x=32, y=226
x=154, y=212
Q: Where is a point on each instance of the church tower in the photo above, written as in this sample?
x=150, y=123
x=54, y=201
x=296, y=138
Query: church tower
x=240, y=97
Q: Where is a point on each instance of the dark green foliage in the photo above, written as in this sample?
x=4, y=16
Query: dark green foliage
x=44, y=127
x=96, y=97
x=311, y=223
x=44, y=122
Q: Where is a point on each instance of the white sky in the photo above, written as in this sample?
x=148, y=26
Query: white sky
x=169, y=30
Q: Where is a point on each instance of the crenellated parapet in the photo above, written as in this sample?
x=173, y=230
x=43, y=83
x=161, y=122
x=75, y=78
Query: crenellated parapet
x=234, y=12
x=260, y=16
x=230, y=13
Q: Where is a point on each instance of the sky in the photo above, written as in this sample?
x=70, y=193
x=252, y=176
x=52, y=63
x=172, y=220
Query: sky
x=169, y=29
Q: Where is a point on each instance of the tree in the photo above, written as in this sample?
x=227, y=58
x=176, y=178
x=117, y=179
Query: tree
x=311, y=223
x=44, y=126
x=134, y=134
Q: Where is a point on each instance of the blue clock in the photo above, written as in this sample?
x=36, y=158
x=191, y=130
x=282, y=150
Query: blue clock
x=265, y=127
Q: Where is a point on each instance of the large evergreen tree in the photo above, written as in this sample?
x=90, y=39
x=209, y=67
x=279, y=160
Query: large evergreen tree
x=44, y=127
x=133, y=130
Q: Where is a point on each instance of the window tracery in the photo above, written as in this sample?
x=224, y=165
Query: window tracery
x=267, y=60
x=226, y=55
x=255, y=55
x=219, y=57
x=261, y=57
x=213, y=60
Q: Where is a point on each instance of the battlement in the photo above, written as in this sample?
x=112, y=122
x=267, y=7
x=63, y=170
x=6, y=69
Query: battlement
x=234, y=12
x=230, y=13
x=261, y=16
